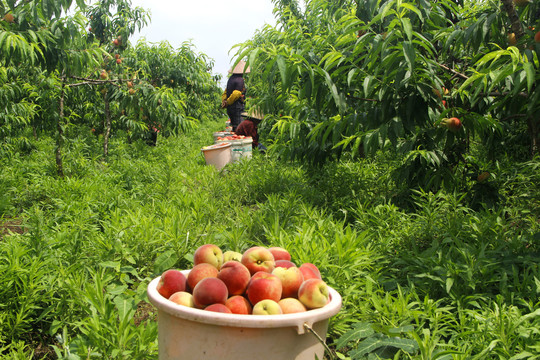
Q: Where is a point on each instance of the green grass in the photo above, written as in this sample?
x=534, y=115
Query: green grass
x=434, y=280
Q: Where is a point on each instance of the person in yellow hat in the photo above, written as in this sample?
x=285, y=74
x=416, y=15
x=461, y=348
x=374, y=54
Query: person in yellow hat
x=233, y=98
x=248, y=127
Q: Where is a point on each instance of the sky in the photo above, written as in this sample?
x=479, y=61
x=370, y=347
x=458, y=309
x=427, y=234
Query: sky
x=212, y=26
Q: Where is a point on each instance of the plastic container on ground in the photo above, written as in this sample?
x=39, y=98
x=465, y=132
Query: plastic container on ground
x=247, y=146
x=237, y=149
x=221, y=134
x=218, y=155
x=189, y=333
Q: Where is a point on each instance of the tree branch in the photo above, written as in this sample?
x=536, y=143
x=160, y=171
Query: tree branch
x=463, y=76
x=515, y=23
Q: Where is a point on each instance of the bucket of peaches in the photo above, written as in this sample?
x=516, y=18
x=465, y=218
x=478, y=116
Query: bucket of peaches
x=234, y=302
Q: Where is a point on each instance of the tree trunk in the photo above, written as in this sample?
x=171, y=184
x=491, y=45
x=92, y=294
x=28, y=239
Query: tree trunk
x=107, y=127
x=535, y=135
x=60, y=135
x=515, y=23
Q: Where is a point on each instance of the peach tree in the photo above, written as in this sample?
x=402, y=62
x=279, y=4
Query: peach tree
x=353, y=78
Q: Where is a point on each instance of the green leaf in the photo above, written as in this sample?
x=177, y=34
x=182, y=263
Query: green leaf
x=449, y=284
x=413, y=9
x=407, y=27
x=408, y=51
x=530, y=72
x=360, y=330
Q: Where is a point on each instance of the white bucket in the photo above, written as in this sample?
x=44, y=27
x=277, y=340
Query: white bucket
x=218, y=134
x=237, y=150
x=247, y=146
x=188, y=333
x=218, y=155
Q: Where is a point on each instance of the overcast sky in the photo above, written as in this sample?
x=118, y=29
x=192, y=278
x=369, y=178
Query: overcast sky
x=213, y=26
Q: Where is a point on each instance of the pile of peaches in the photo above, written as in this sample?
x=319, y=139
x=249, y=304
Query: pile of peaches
x=261, y=281
x=231, y=137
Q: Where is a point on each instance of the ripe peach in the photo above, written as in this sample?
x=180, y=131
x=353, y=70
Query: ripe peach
x=284, y=264
x=208, y=253
x=267, y=307
x=310, y=271
x=263, y=286
x=291, y=279
x=258, y=258
x=537, y=37
x=231, y=255
x=239, y=305
x=280, y=253
x=171, y=281
x=482, y=176
x=313, y=293
x=199, y=272
x=210, y=291
x=512, y=40
x=9, y=17
x=218, y=308
x=236, y=276
x=182, y=298
x=291, y=306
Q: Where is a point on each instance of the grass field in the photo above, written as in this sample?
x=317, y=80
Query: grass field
x=427, y=276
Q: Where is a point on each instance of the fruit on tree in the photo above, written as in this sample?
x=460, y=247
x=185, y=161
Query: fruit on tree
x=119, y=61
x=132, y=91
x=209, y=291
x=171, y=281
x=129, y=84
x=103, y=75
x=453, y=124
x=116, y=42
x=208, y=253
x=483, y=176
x=537, y=37
x=9, y=18
x=512, y=40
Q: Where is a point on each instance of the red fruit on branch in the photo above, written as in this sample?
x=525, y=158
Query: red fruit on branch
x=482, y=176
x=512, y=40
x=118, y=61
x=9, y=18
x=537, y=37
x=453, y=124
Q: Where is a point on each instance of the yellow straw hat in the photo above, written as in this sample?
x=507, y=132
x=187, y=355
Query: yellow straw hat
x=240, y=68
x=253, y=114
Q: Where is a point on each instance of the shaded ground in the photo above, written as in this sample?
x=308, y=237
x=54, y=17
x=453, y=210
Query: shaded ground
x=11, y=226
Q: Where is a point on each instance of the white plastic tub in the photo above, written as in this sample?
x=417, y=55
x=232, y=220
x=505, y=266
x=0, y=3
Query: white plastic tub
x=247, y=146
x=186, y=333
x=217, y=155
